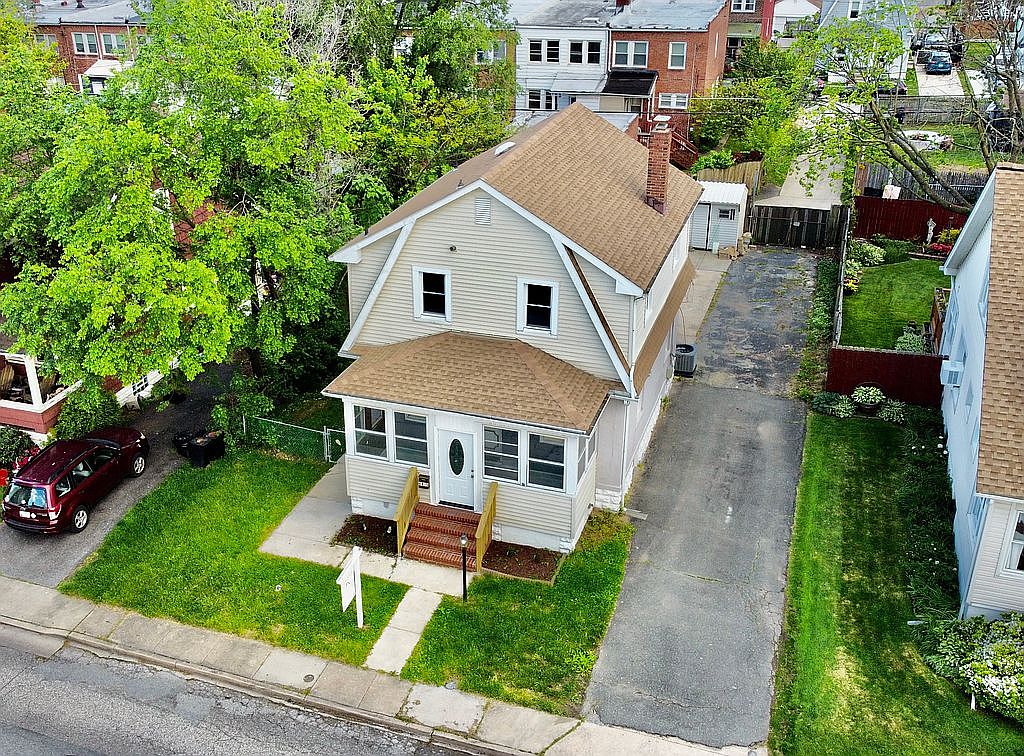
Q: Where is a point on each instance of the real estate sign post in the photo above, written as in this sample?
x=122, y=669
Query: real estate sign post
x=350, y=582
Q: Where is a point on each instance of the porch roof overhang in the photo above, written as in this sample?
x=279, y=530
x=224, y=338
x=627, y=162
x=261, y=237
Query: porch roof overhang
x=504, y=379
x=631, y=82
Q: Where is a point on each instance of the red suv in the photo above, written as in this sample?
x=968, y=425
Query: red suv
x=57, y=489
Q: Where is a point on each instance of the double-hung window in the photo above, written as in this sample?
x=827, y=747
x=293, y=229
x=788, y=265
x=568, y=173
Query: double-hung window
x=551, y=48
x=585, y=52
x=46, y=39
x=113, y=43
x=594, y=51
x=432, y=294
x=576, y=51
x=677, y=55
x=371, y=431
x=501, y=453
x=411, y=438
x=536, y=51
x=1016, y=556
x=546, y=462
x=743, y=6
x=540, y=99
x=855, y=8
x=85, y=44
x=671, y=101
x=495, y=53
x=631, y=54
x=538, y=306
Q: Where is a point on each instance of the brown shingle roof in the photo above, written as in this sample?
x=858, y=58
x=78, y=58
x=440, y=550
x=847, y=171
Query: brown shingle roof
x=582, y=176
x=1000, y=455
x=478, y=375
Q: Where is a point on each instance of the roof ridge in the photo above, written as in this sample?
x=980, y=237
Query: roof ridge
x=530, y=354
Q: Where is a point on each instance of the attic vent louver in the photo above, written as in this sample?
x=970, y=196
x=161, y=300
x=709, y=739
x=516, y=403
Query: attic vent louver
x=504, y=147
x=482, y=211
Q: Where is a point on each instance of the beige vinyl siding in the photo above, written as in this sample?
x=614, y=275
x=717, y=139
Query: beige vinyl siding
x=645, y=317
x=585, y=493
x=484, y=270
x=614, y=306
x=535, y=509
x=376, y=481
x=363, y=274
x=992, y=585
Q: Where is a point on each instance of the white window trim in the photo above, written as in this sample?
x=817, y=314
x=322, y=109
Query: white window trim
x=631, y=53
x=417, y=286
x=673, y=101
x=389, y=445
x=113, y=50
x=520, y=474
x=685, y=50
x=1004, y=558
x=743, y=6
x=529, y=459
x=521, y=327
x=396, y=435
x=850, y=12
x=84, y=36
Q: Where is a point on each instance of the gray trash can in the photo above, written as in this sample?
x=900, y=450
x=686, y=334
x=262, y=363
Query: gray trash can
x=684, y=358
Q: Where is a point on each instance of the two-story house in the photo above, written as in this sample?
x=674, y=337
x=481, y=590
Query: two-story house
x=983, y=340
x=638, y=56
x=895, y=16
x=750, y=21
x=92, y=36
x=512, y=327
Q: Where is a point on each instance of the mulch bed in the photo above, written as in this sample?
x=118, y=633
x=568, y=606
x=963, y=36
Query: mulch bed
x=522, y=561
x=369, y=533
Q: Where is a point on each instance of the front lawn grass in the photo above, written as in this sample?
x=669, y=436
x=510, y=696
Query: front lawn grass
x=189, y=551
x=314, y=412
x=850, y=679
x=889, y=296
x=965, y=153
x=525, y=642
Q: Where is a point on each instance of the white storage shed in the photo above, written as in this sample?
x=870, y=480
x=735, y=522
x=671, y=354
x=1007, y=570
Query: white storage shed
x=717, y=221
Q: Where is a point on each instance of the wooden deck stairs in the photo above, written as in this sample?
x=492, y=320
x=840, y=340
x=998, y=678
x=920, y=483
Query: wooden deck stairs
x=434, y=532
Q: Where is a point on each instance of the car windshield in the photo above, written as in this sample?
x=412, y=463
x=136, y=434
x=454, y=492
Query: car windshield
x=940, y=58
x=26, y=496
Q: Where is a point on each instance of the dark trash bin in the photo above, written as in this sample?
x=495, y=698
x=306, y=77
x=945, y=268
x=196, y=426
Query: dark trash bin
x=180, y=440
x=202, y=450
x=684, y=360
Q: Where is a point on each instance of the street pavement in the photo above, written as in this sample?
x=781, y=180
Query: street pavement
x=690, y=650
x=78, y=703
x=48, y=560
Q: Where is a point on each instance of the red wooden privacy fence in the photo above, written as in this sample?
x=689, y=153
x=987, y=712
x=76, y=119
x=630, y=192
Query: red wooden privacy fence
x=905, y=376
x=902, y=219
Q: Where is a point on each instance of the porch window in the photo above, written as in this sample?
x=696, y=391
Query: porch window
x=433, y=289
x=546, y=466
x=411, y=438
x=501, y=453
x=371, y=433
x=581, y=460
x=1016, y=561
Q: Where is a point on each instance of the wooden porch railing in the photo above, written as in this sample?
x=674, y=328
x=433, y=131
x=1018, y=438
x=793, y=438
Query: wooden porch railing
x=483, y=528
x=406, y=505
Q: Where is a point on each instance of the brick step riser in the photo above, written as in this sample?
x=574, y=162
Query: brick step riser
x=440, y=540
x=445, y=558
x=447, y=527
x=446, y=513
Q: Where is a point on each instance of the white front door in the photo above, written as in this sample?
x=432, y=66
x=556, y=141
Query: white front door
x=456, y=464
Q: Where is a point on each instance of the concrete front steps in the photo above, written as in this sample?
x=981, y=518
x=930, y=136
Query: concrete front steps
x=434, y=535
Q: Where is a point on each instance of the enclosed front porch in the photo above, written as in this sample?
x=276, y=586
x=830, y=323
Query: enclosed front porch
x=30, y=398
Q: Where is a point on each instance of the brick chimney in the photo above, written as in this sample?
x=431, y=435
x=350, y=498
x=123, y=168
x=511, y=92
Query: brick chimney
x=657, y=163
x=621, y=3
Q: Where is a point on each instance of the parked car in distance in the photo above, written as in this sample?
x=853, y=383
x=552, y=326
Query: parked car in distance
x=924, y=55
x=939, y=63
x=59, y=487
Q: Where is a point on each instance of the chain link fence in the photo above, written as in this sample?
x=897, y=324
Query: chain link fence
x=327, y=444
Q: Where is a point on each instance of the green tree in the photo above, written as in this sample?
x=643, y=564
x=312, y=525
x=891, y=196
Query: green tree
x=219, y=129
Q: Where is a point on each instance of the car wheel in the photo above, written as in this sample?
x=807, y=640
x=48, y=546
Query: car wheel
x=138, y=466
x=79, y=519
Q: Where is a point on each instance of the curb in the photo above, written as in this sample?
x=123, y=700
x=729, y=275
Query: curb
x=268, y=691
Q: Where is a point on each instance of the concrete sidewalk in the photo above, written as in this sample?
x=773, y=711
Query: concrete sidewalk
x=448, y=717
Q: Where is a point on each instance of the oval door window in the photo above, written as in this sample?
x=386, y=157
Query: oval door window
x=456, y=457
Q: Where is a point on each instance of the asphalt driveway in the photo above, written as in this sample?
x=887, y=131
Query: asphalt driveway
x=690, y=651
x=48, y=560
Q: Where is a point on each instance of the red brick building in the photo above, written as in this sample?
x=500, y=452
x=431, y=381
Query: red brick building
x=91, y=36
x=749, y=20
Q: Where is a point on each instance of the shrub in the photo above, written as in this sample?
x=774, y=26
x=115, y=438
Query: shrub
x=86, y=409
x=713, y=159
x=893, y=411
x=911, y=342
x=244, y=398
x=865, y=253
x=985, y=659
x=852, y=272
x=831, y=403
x=895, y=250
x=814, y=360
x=948, y=235
x=868, y=395
x=938, y=248
x=13, y=445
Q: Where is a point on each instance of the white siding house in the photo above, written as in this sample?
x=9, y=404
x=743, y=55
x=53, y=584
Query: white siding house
x=983, y=340
x=511, y=334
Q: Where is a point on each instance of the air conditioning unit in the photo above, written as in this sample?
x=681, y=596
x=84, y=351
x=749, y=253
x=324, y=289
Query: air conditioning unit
x=950, y=373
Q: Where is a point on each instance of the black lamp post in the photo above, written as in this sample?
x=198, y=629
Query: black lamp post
x=464, y=540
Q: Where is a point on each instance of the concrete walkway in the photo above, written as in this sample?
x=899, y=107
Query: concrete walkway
x=397, y=641
x=710, y=271
x=450, y=718
x=307, y=531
